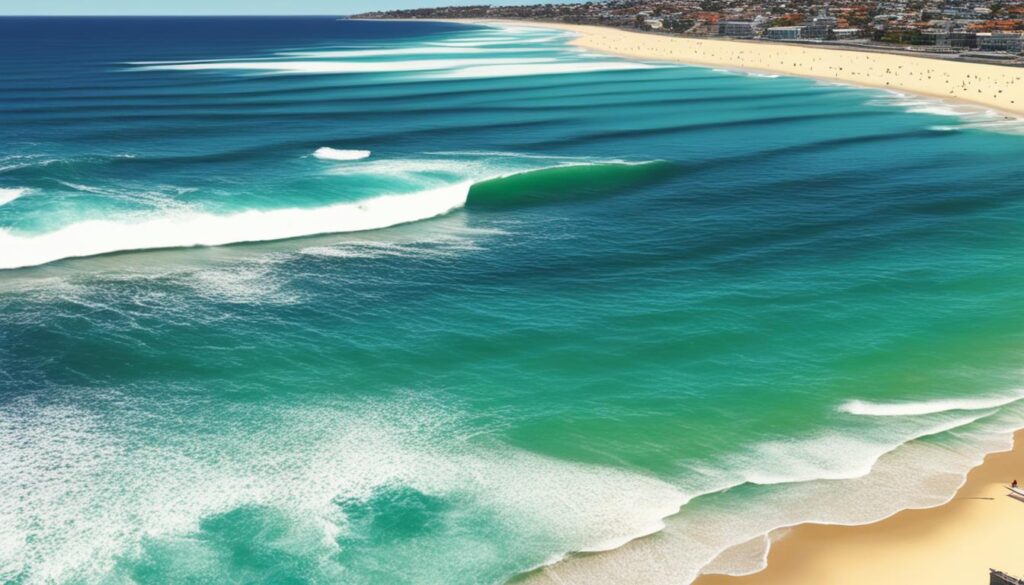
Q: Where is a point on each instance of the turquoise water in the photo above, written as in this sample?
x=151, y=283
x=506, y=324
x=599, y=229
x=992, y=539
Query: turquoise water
x=491, y=302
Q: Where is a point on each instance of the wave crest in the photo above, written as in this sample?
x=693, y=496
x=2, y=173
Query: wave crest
x=328, y=153
x=566, y=182
x=865, y=408
x=183, y=229
x=90, y=238
x=10, y=194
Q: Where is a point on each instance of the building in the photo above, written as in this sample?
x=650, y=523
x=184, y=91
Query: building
x=820, y=26
x=997, y=41
x=840, y=34
x=952, y=39
x=784, y=33
x=957, y=39
x=738, y=29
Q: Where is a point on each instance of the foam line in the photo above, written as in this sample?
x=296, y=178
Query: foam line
x=865, y=408
x=10, y=194
x=329, y=67
x=328, y=153
x=778, y=462
x=168, y=228
x=407, y=51
x=89, y=238
x=732, y=536
x=310, y=458
x=539, y=68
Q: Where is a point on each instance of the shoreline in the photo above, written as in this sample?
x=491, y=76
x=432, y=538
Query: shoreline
x=951, y=543
x=993, y=87
x=977, y=529
x=969, y=522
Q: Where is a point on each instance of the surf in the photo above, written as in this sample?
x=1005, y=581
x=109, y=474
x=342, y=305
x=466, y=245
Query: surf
x=557, y=183
x=566, y=183
x=182, y=230
x=10, y=194
x=328, y=153
x=924, y=407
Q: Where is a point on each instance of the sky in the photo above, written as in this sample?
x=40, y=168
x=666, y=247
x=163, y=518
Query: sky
x=112, y=7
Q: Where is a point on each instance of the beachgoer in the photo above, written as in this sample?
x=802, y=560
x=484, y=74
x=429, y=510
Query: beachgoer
x=1014, y=484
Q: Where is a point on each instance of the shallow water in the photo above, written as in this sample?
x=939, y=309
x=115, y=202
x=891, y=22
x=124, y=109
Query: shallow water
x=493, y=301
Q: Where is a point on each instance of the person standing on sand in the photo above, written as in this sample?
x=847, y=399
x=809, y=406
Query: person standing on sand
x=1014, y=484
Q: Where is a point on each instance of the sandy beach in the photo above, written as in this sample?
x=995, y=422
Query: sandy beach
x=993, y=86
x=954, y=544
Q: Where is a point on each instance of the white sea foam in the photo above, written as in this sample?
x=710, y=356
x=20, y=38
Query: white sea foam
x=75, y=465
x=371, y=249
x=87, y=188
x=337, y=67
x=746, y=73
x=93, y=237
x=176, y=224
x=972, y=116
x=480, y=168
x=20, y=161
x=744, y=558
x=251, y=282
x=410, y=167
x=732, y=536
x=491, y=42
x=539, y=68
x=451, y=243
x=448, y=237
x=328, y=153
x=865, y=408
x=486, y=39
x=835, y=455
x=10, y=194
x=360, y=53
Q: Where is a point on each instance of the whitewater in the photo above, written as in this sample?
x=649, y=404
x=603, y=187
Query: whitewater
x=330, y=301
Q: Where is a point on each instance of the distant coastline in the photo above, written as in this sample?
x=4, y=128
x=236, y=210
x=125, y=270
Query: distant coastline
x=996, y=87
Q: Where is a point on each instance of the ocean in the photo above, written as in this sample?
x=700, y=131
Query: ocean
x=310, y=300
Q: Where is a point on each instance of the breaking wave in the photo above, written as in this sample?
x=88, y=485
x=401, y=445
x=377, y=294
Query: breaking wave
x=182, y=229
x=10, y=194
x=328, y=153
x=90, y=238
x=336, y=67
x=864, y=408
x=566, y=182
x=732, y=528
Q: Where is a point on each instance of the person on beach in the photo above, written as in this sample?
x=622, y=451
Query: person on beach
x=1014, y=484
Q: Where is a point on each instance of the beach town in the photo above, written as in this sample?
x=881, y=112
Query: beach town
x=968, y=30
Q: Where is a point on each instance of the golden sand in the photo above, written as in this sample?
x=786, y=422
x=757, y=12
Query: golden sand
x=953, y=544
x=994, y=86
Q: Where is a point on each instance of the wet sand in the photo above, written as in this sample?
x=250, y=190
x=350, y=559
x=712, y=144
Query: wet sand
x=954, y=544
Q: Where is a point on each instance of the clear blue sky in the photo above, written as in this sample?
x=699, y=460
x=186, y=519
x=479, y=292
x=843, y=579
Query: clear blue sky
x=107, y=7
